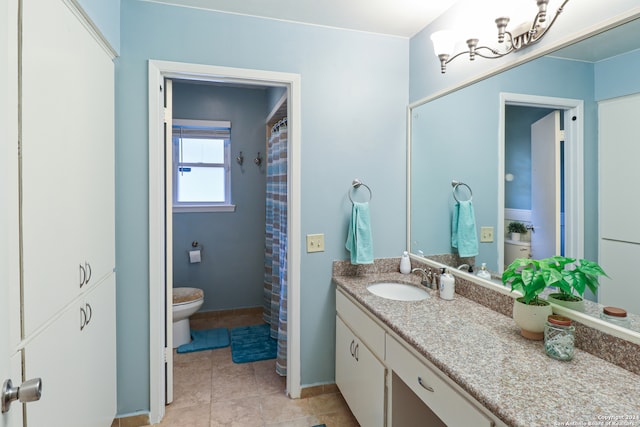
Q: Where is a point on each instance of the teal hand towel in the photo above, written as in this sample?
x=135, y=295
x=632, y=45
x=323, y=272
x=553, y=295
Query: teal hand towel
x=463, y=229
x=359, y=241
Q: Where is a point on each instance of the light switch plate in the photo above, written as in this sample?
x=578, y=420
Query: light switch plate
x=315, y=242
x=486, y=234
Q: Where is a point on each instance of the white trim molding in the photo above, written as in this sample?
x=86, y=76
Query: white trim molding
x=158, y=71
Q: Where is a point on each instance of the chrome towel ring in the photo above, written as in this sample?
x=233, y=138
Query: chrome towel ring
x=455, y=184
x=355, y=185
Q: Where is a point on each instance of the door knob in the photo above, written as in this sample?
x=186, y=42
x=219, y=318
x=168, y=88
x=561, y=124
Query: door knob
x=29, y=391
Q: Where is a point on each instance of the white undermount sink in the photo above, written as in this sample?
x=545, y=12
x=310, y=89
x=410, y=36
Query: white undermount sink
x=398, y=291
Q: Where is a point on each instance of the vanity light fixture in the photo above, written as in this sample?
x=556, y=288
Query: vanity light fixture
x=523, y=36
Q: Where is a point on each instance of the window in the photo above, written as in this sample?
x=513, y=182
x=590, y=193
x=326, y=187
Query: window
x=201, y=166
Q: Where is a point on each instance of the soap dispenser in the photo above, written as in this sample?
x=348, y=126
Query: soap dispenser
x=484, y=273
x=447, y=285
x=405, y=263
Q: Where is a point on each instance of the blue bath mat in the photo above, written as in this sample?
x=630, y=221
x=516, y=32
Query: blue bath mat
x=206, y=340
x=252, y=343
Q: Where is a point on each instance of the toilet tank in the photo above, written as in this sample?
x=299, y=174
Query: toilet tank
x=514, y=249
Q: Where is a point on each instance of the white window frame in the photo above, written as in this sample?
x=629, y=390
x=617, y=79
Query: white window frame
x=227, y=205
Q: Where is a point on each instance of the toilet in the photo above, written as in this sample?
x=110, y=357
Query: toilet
x=514, y=249
x=186, y=301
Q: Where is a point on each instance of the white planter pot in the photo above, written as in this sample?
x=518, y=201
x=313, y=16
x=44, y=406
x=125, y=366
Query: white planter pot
x=573, y=305
x=531, y=319
x=515, y=237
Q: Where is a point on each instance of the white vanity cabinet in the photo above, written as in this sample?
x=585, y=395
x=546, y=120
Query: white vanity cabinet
x=387, y=383
x=360, y=373
x=447, y=403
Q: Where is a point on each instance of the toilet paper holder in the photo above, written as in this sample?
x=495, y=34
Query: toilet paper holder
x=195, y=253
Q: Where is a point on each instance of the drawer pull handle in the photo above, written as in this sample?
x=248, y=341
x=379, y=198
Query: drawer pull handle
x=351, y=350
x=424, y=386
x=356, y=353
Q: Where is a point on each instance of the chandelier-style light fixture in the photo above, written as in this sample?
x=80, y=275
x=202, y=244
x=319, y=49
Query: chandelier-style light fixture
x=510, y=41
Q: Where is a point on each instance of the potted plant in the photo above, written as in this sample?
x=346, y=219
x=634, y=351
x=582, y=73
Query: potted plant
x=516, y=229
x=529, y=311
x=572, y=277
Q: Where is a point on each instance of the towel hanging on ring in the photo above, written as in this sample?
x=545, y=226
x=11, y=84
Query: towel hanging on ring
x=463, y=229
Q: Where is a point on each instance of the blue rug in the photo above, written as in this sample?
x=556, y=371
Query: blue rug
x=206, y=340
x=252, y=343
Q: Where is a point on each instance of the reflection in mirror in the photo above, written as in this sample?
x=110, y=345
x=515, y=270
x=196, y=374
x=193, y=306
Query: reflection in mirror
x=459, y=137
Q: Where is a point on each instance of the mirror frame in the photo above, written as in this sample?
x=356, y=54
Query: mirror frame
x=588, y=320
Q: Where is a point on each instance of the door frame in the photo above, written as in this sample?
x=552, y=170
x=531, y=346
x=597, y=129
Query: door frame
x=573, y=166
x=158, y=318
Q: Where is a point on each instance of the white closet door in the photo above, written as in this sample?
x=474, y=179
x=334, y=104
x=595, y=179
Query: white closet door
x=67, y=166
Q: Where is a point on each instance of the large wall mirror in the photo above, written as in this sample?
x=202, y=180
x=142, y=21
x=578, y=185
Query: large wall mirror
x=481, y=135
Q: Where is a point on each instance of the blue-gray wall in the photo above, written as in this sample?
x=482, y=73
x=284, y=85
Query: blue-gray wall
x=232, y=268
x=354, y=95
x=517, y=156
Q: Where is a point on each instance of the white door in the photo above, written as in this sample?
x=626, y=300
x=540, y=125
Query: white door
x=545, y=186
x=10, y=357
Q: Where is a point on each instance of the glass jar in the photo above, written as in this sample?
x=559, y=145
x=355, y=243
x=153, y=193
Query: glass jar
x=615, y=315
x=559, y=337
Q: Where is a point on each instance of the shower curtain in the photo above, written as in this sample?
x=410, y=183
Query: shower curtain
x=275, y=255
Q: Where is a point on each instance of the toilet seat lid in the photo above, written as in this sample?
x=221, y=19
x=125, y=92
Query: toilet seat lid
x=182, y=295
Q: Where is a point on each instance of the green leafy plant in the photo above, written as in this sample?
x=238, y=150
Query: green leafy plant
x=516, y=227
x=531, y=276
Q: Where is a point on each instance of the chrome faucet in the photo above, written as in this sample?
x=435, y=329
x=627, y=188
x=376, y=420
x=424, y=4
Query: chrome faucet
x=427, y=276
x=465, y=267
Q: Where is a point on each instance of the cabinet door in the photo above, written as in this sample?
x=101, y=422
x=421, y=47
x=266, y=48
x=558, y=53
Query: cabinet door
x=619, y=173
x=75, y=357
x=67, y=157
x=360, y=377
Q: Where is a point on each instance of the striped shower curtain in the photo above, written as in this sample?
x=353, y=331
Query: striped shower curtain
x=275, y=254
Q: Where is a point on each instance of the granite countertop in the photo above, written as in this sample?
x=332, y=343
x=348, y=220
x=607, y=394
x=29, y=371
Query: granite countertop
x=483, y=352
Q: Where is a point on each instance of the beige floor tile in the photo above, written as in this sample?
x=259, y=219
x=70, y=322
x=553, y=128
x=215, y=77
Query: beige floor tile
x=238, y=412
x=234, y=387
x=343, y=418
x=327, y=403
x=212, y=391
x=279, y=408
x=299, y=422
x=196, y=416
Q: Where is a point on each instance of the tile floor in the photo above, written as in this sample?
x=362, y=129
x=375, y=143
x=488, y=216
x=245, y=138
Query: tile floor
x=210, y=390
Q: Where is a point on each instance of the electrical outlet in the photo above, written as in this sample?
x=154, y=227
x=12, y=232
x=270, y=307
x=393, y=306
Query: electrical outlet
x=486, y=234
x=315, y=242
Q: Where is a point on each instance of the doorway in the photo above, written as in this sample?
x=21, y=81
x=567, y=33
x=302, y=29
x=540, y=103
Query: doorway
x=160, y=305
x=572, y=166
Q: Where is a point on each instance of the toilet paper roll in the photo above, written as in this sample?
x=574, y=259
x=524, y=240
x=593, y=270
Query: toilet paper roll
x=194, y=256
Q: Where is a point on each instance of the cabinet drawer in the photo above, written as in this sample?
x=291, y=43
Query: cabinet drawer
x=447, y=403
x=366, y=329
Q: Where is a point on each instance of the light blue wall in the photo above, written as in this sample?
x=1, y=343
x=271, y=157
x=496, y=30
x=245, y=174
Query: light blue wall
x=618, y=76
x=354, y=96
x=106, y=15
x=232, y=268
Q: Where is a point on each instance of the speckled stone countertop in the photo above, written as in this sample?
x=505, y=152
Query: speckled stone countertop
x=482, y=351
